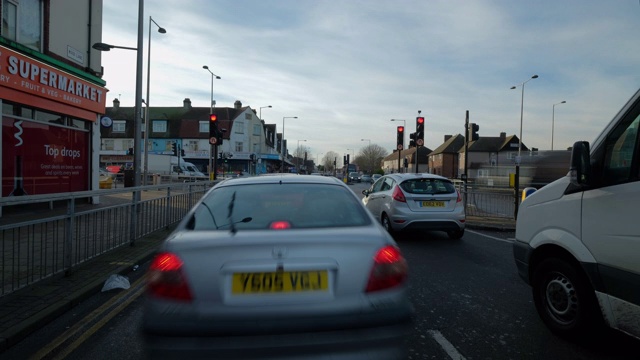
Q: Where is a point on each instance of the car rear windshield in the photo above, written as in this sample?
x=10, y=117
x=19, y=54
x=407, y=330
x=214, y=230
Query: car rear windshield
x=259, y=206
x=428, y=186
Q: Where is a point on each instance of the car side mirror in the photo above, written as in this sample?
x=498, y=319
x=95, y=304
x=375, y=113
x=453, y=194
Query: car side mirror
x=580, y=168
x=365, y=192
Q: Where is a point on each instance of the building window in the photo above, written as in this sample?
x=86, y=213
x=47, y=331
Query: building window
x=119, y=126
x=193, y=145
x=107, y=144
x=256, y=129
x=239, y=146
x=159, y=126
x=22, y=22
x=203, y=126
x=247, y=116
x=511, y=155
x=483, y=173
x=239, y=127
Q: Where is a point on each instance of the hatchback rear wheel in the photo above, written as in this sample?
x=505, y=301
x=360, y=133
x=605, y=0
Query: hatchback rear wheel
x=386, y=223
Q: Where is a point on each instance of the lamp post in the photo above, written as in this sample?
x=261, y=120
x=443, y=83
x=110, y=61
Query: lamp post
x=404, y=124
x=298, y=157
x=137, y=116
x=282, y=143
x=553, y=119
x=369, y=140
x=262, y=107
x=213, y=149
x=318, y=161
x=518, y=158
x=161, y=30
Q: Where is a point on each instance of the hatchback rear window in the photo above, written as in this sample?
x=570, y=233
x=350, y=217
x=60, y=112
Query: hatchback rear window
x=428, y=186
x=259, y=206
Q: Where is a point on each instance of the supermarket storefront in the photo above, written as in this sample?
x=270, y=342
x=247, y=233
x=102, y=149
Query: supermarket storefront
x=48, y=126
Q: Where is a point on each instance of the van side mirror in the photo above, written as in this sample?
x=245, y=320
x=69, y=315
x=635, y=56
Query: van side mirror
x=580, y=168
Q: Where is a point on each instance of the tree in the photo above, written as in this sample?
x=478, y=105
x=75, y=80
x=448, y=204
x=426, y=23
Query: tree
x=370, y=157
x=327, y=160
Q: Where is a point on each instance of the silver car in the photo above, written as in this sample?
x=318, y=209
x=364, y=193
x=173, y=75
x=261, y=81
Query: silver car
x=280, y=264
x=416, y=201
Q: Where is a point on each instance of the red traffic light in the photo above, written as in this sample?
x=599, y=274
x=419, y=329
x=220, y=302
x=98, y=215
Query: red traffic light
x=400, y=128
x=420, y=120
x=213, y=118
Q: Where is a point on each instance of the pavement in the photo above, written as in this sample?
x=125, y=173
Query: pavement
x=26, y=310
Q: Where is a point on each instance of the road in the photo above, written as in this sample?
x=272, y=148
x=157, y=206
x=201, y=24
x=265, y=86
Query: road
x=469, y=302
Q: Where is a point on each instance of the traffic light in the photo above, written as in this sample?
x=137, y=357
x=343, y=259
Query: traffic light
x=412, y=142
x=214, y=131
x=420, y=130
x=473, y=132
x=174, y=149
x=400, y=142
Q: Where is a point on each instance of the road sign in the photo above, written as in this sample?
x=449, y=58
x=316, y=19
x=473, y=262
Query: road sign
x=420, y=142
x=213, y=140
x=400, y=146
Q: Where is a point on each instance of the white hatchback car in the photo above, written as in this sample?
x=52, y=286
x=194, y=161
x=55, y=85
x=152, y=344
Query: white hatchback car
x=416, y=201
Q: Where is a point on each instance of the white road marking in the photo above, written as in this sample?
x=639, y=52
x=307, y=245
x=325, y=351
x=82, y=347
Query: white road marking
x=508, y=240
x=446, y=345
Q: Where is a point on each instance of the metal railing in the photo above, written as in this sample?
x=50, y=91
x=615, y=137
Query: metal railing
x=35, y=245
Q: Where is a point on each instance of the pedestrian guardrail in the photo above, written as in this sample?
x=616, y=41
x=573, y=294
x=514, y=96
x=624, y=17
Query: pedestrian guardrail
x=39, y=245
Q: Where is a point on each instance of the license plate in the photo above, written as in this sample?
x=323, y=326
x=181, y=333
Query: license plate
x=432, y=204
x=279, y=282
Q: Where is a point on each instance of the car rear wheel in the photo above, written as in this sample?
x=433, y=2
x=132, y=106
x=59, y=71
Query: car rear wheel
x=386, y=223
x=565, y=299
x=455, y=234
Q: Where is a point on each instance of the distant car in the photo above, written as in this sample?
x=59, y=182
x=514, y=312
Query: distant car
x=366, y=178
x=354, y=177
x=416, y=201
x=316, y=173
x=375, y=177
x=289, y=264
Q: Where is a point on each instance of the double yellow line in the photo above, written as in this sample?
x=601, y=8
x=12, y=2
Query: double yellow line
x=94, y=321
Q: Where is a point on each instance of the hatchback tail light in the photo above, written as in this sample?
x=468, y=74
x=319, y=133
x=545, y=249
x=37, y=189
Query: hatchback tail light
x=459, y=197
x=166, y=278
x=398, y=195
x=389, y=269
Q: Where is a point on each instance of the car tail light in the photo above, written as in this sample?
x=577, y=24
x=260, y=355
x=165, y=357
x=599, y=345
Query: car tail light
x=459, y=197
x=398, y=195
x=167, y=279
x=389, y=269
x=280, y=225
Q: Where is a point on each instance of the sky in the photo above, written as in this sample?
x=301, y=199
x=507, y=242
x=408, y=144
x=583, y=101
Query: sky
x=346, y=68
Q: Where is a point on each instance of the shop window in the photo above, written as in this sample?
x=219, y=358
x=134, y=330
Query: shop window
x=203, y=126
x=22, y=22
x=159, y=126
x=107, y=144
x=119, y=126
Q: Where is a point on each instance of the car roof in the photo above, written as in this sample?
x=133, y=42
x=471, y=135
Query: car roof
x=282, y=178
x=408, y=176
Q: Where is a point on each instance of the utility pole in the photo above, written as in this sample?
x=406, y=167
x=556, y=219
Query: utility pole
x=466, y=158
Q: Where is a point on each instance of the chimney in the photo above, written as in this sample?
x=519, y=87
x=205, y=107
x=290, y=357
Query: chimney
x=237, y=104
x=503, y=136
x=187, y=104
x=447, y=137
x=116, y=104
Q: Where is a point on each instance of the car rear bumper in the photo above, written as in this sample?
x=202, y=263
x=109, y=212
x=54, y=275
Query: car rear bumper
x=437, y=225
x=379, y=342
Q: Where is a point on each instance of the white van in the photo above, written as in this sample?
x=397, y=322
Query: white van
x=578, y=238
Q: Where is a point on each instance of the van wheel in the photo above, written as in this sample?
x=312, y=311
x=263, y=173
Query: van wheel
x=386, y=223
x=455, y=234
x=565, y=300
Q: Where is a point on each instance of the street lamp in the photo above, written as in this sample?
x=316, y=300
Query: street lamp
x=213, y=149
x=553, y=119
x=282, y=142
x=136, y=116
x=161, y=30
x=262, y=107
x=518, y=158
x=298, y=157
x=369, y=140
